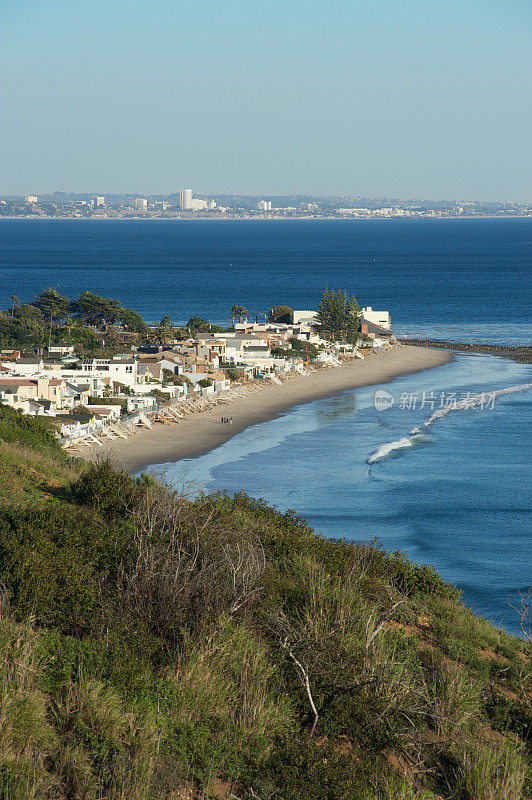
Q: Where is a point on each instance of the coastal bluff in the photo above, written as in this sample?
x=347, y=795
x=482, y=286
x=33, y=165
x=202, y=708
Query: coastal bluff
x=155, y=647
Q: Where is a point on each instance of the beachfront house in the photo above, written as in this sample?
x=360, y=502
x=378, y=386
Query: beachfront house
x=305, y=317
x=210, y=348
x=141, y=403
x=101, y=374
x=379, y=318
x=18, y=392
x=243, y=348
x=156, y=365
x=379, y=334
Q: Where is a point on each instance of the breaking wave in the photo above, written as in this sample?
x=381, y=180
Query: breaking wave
x=416, y=435
x=387, y=450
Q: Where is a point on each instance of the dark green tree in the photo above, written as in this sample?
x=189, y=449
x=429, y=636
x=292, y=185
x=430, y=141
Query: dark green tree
x=283, y=314
x=199, y=325
x=131, y=320
x=95, y=310
x=338, y=316
x=160, y=335
x=53, y=306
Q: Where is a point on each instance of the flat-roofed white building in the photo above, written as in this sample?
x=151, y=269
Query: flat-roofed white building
x=380, y=318
x=305, y=317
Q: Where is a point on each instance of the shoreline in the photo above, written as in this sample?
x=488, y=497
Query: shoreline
x=229, y=218
x=198, y=434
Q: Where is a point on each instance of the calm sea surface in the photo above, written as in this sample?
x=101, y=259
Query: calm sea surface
x=456, y=496
x=455, y=279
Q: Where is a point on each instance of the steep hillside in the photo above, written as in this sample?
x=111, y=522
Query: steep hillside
x=153, y=646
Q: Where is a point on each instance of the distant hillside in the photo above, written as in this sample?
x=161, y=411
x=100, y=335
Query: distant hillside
x=154, y=647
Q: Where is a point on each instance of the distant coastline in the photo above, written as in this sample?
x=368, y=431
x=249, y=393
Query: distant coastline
x=257, y=218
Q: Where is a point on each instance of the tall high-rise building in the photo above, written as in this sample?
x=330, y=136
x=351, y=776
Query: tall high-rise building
x=264, y=205
x=141, y=204
x=97, y=200
x=185, y=199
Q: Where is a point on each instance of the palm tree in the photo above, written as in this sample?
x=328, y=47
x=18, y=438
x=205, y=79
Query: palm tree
x=160, y=335
x=13, y=300
x=238, y=311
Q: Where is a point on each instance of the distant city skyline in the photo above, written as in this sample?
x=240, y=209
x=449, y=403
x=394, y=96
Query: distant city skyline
x=183, y=205
x=382, y=99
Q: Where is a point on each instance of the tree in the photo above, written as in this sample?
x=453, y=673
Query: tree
x=30, y=316
x=283, y=314
x=131, y=320
x=199, y=325
x=160, y=335
x=95, y=310
x=238, y=311
x=13, y=300
x=338, y=316
x=304, y=348
x=52, y=305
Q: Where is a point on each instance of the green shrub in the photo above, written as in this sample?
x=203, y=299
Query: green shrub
x=52, y=559
x=233, y=374
x=36, y=432
x=112, y=492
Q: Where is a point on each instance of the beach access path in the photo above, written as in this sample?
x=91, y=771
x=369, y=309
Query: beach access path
x=201, y=432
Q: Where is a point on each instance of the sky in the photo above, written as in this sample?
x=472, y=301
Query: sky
x=383, y=98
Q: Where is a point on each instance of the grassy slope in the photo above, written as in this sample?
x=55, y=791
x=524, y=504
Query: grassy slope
x=152, y=647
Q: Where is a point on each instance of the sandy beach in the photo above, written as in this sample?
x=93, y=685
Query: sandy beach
x=200, y=433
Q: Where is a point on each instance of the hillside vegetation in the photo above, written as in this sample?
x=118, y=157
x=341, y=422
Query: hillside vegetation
x=161, y=648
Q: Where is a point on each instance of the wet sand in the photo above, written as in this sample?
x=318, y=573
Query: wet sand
x=201, y=432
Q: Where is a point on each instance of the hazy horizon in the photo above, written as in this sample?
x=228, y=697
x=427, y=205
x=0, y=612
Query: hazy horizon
x=265, y=195
x=370, y=99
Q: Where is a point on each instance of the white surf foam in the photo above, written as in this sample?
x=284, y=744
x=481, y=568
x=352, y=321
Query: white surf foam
x=388, y=449
x=484, y=399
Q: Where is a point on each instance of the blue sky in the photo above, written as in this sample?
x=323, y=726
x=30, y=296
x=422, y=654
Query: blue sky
x=405, y=98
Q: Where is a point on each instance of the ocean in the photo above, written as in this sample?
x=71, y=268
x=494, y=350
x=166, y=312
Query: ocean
x=454, y=279
x=453, y=493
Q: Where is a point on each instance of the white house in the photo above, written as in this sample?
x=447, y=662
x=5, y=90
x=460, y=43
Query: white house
x=305, y=317
x=380, y=318
x=25, y=366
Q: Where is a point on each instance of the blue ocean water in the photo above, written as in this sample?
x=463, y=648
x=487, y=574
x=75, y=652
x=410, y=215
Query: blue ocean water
x=456, y=499
x=455, y=279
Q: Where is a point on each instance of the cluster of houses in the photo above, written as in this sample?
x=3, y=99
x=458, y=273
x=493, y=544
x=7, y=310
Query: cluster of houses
x=95, y=392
